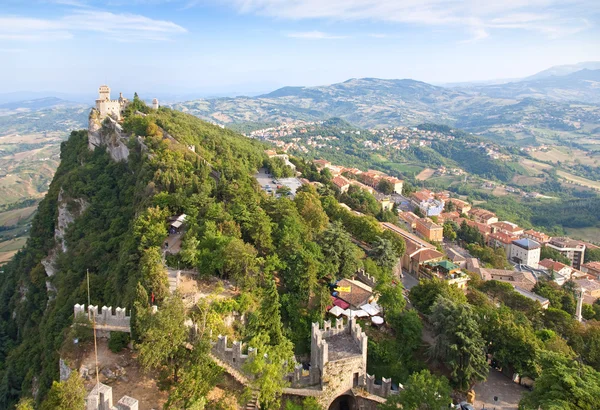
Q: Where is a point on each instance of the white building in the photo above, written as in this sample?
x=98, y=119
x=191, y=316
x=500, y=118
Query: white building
x=526, y=252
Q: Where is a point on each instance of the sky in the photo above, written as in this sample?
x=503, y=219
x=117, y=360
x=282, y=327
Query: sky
x=224, y=47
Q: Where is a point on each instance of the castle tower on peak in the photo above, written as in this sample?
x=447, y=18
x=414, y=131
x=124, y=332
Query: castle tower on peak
x=108, y=107
x=155, y=104
x=104, y=93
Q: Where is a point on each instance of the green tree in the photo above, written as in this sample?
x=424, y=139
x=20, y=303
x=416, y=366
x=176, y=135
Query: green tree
x=66, y=395
x=424, y=295
x=549, y=253
x=337, y=247
x=384, y=254
x=450, y=230
x=309, y=403
x=385, y=187
x=240, y=262
x=310, y=208
x=423, y=391
x=564, y=384
x=162, y=336
x=458, y=342
x=592, y=255
x=25, y=403
x=268, y=367
x=197, y=377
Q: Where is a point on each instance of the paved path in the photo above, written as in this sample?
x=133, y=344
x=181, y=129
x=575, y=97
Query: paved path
x=500, y=386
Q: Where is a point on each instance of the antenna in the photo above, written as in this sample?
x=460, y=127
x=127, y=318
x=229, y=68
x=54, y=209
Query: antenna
x=95, y=342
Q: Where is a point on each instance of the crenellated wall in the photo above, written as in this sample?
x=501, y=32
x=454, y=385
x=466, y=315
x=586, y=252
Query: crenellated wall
x=366, y=278
x=105, y=319
x=100, y=398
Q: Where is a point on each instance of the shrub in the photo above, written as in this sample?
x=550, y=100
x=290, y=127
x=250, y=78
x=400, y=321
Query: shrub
x=118, y=341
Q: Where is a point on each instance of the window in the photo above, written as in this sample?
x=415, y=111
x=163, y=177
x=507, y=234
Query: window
x=355, y=381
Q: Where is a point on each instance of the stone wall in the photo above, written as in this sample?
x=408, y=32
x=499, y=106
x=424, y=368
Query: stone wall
x=106, y=320
x=366, y=278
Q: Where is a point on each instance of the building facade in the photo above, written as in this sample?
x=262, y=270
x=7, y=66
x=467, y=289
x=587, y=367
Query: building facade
x=570, y=248
x=525, y=252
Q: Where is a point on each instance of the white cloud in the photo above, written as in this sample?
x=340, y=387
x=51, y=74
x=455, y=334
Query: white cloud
x=475, y=16
x=119, y=27
x=314, y=35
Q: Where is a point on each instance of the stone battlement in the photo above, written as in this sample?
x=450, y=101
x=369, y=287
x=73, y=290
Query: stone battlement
x=366, y=278
x=232, y=355
x=105, y=320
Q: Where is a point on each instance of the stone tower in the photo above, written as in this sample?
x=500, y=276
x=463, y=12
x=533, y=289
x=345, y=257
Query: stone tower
x=104, y=93
x=155, y=104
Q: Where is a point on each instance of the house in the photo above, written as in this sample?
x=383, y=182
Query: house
x=448, y=216
x=539, y=237
x=354, y=292
x=426, y=201
x=483, y=216
x=444, y=270
x=370, y=177
x=409, y=218
x=362, y=186
x=385, y=201
x=177, y=224
x=523, y=279
x=570, y=248
x=525, y=251
x=508, y=228
x=341, y=183
x=422, y=256
x=461, y=206
x=321, y=163
x=501, y=240
x=397, y=184
x=429, y=230
x=592, y=268
x=559, y=271
x=591, y=289
x=457, y=258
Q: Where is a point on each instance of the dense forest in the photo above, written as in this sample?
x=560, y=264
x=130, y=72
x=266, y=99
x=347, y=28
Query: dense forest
x=281, y=254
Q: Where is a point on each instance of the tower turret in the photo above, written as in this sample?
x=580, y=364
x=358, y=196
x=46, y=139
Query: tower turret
x=104, y=93
x=155, y=104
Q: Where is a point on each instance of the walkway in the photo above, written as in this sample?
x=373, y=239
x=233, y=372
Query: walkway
x=504, y=389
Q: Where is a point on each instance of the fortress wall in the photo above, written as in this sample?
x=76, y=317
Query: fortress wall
x=366, y=278
x=105, y=319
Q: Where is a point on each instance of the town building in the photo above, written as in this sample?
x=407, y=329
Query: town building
x=508, y=228
x=410, y=219
x=526, y=252
x=537, y=236
x=556, y=270
x=341, y=183
x=362, y=186
x=284, y=157
x=483, y=216
x=501, y=240
x=397, y=184
x=444, y=270
x=427, y=203
x=523, y=279
x=570, y=248
x=591, y=268
x=429, y=230
x=354, y=292
x=462, y=207
x=544, y=302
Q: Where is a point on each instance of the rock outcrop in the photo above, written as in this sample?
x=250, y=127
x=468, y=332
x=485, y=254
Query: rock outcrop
x=107, y=133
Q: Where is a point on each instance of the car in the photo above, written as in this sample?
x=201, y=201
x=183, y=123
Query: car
x=274, y=181
x=466, y=406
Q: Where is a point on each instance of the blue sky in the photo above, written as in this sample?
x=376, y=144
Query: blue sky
x=216, y=47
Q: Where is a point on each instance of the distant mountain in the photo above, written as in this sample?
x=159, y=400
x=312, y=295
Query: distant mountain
x=561, y=70
x=365, y=102
x=582, y=85
x=36, y=104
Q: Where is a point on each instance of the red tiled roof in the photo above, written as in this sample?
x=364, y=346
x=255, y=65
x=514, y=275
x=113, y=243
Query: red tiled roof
x=340, y=182
x=592, y=265
x=502, y=237
x=508, y=227
x=552, y=264
x=427, y=255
